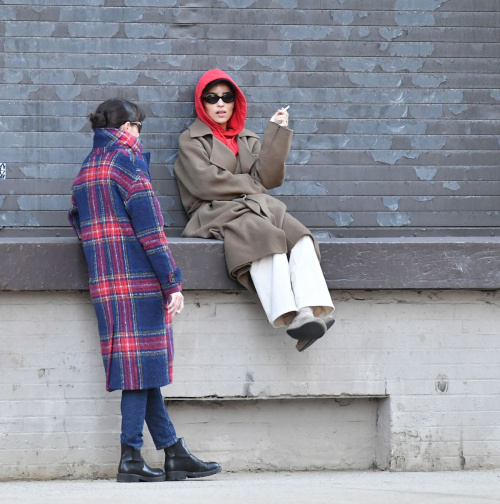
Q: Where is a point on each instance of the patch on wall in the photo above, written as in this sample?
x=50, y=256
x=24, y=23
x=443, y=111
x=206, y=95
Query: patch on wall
x=3, y=171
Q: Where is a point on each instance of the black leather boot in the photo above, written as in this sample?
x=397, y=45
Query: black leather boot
x=180, y=464
x=133, y=468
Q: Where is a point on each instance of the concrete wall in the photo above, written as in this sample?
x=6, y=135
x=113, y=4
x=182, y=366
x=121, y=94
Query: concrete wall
x=394, y=103
x=406, y=380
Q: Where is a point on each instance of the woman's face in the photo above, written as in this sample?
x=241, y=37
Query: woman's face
x=219, y=112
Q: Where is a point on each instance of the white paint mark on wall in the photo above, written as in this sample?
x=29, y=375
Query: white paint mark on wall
x=425, y=172
x=363, y=31
x=37, y=202
x=141, y=30
x=392, y=157
x=13, y=77
x=346, y=32
x=457, y=109
x=18, y=219
x=452, y=186
x=390, y=33
x=399, y=64
x=495, y=94
x=123, y=78
x=429, y=81
x=342, y=219
x=391, y=202
x=358, y=64
x=427, y=142
x=176, y=60
x=167, y=218
x=277, y=64
x=312, y=63
x=305, y=32
x=304, y=157
x=426, y=111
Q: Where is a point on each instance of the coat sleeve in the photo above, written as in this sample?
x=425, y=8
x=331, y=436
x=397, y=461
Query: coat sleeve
x=269, y=167
x=147, y=221
x=74, y=218
x=206, y=181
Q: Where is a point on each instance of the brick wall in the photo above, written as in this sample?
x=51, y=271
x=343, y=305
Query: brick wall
x=395, y=103
x=407, y=380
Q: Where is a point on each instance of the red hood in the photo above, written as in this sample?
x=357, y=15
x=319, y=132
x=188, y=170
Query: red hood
x=237, y=121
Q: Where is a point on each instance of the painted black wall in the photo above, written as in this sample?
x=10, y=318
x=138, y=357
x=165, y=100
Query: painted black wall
x=395, y=104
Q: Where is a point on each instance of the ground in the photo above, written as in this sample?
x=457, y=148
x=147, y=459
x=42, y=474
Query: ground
x=342, y=487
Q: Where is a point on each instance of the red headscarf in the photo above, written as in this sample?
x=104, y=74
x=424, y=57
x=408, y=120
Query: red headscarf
x=237, y=121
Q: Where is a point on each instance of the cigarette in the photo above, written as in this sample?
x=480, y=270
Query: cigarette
x=286, y=108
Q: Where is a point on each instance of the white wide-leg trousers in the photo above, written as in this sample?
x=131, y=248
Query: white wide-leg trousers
x=285, y=287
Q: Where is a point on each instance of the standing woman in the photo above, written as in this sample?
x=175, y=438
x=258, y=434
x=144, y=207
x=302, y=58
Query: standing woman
x=135, y=288
x=223, y=172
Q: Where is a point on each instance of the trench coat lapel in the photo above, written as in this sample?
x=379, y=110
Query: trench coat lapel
x=246, y=158
x=221, y=156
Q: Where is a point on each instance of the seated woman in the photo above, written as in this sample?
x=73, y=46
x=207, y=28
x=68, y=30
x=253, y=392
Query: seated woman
x=223, y=172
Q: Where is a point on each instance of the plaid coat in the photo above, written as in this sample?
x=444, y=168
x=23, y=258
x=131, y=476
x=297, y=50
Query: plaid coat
x=131, y=271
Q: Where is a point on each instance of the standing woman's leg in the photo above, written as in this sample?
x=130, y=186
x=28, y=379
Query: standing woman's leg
x=158, y=421
x=179, y=462
x=132, y=467
x=133, y=408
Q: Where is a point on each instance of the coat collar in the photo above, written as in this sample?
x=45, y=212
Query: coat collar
x=221, y=155
x=111, y=138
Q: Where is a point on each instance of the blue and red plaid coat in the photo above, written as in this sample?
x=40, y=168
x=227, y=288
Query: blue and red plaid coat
x=131, y=271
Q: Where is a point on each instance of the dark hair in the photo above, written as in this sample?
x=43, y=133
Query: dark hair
x=219, y=81
x=115, y=112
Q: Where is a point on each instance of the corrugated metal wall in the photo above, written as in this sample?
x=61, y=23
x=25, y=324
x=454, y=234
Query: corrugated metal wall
x=395, y=103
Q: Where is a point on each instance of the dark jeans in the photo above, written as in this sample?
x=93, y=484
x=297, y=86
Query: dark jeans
x=147, y=404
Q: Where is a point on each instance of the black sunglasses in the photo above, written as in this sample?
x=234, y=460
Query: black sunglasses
x=138, y=124
x=213, y=98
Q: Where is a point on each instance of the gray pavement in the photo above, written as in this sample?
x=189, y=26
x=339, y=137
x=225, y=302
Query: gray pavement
x=352, y=487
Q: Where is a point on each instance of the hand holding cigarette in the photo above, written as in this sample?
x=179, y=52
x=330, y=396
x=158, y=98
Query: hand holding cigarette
x=281, y=117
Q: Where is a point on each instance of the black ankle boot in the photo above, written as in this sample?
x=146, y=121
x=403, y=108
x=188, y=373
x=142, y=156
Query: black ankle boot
x=133, y=468
x=180, y=464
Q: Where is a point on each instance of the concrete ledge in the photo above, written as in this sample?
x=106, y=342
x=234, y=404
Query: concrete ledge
x=350, y=263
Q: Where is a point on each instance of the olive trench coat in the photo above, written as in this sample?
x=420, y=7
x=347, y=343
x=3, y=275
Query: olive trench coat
x=225, y=196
